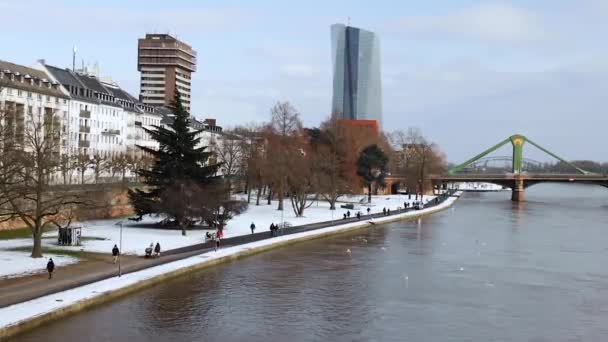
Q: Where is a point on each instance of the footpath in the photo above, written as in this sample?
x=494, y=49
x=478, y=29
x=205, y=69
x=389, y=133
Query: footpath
x=99, y=275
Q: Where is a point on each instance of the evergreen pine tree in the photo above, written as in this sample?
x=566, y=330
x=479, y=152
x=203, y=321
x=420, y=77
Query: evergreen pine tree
x=372, y=167
x=180, y=176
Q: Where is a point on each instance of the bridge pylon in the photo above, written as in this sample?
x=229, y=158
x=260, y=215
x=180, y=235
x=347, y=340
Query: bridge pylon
x=518, y=180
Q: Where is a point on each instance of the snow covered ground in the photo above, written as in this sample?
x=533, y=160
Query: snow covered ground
x=101, y=235
x=477, y=186
x=25, y=311
x=19, y=263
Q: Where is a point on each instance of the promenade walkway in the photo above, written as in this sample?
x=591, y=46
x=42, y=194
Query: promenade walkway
x=98, y=267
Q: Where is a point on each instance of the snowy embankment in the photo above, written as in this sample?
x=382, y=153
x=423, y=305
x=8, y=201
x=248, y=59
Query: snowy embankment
x=478, y=186
x=100, y=236
x=20, y=314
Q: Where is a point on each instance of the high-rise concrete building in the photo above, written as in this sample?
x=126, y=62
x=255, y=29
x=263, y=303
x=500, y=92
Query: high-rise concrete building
x=166, y=65
x=357, y=88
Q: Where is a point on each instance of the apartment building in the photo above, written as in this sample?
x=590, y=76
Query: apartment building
x=166, y=65
x=27, y=94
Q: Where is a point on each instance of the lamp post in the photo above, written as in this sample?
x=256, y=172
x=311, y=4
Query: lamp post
x=119, y=223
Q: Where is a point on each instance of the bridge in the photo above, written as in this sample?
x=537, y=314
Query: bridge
x=517, y=179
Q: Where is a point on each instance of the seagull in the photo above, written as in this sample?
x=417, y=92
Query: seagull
x=348, y=251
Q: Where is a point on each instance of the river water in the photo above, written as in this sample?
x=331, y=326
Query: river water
x=485, y=270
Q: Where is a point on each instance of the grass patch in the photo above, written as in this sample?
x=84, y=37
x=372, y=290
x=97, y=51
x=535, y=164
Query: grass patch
x=20, y=233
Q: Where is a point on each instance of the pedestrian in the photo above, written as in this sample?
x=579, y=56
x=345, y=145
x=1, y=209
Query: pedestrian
x=405, y=205
x=384, y=211
x=344, y=216
x=115, y=253
x=220, y=230
x=388, y=211
x=272, y=229
x=368, y=210
x=50, y=267
x=252, y=227
x=217, y=243
x=157, y=249
x=348, y=213
x=358, y=215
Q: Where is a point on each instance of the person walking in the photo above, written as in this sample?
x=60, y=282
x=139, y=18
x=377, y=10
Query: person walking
x=50, y=267
x=368, y=210
x=217, y=243
x=358, y=215
x=157, y=249
x=115, y=253
x=384, y=211
x=348, y=213
x=252, y=227
x=272, y=229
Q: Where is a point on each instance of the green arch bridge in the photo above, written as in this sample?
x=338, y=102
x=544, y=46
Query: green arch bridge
x=518, y=180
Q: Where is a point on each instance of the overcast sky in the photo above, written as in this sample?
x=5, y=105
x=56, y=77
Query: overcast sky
x=468, y=73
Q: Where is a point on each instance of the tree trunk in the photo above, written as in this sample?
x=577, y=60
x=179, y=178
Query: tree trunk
x=82, y=177
x=369, y=192
x=269, y=196
x=248, y=195
x=258, y=196
x=37, y=248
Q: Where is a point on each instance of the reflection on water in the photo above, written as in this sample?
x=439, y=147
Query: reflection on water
x=487, y=270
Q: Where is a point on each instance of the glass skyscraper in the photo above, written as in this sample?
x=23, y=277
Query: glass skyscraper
x=357, y=88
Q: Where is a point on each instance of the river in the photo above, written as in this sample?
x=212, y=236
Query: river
x=485, y=270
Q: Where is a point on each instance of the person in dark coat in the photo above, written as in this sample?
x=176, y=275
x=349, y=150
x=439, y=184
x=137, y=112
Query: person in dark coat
x=217, y=243
x=115, y=253
x=50, y=267
x=344, y=217
x=272, y=229
x=384, y=211
x=368, y=210
x=348, y=214
x=358, y=215
x=252, y=227
x=157, y=249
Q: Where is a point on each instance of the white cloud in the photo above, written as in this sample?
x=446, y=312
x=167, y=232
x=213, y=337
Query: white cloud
x=499, y=23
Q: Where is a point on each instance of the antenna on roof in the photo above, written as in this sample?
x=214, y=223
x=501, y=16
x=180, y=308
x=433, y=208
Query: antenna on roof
x=74, y=59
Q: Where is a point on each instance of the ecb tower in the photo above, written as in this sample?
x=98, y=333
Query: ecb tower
x=357, y=89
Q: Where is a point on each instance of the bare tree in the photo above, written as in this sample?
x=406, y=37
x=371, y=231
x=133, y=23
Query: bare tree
x=66, y=168
x=28, y=195
x=329, y=162
x=120, y=164
x=417, y=158
x=81, y=163
x=300, y=179
x=99, y=164
x=284, y=126
x=229, y=153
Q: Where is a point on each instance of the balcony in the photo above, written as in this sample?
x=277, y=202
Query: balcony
x=84, y=143
x=111, y=131
x=85, y=114
x=84, y=129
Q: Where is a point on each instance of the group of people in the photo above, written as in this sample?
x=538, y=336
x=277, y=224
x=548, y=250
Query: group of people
x=358, y=215
x=215, y=237
x=151, y=249
x=386, y=211
x=274, y=228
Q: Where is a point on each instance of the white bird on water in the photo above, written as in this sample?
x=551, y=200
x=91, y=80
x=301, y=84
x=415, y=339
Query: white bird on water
x=461, y=269
x=348, y=251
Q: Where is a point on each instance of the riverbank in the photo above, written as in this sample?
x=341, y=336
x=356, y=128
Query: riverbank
x=23, y=316
x=99, y=236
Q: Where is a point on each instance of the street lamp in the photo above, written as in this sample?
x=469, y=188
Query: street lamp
x=119, y=223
